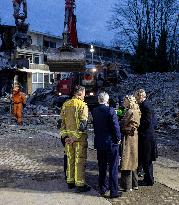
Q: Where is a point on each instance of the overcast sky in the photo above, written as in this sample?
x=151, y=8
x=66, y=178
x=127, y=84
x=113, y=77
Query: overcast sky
x=48, y=16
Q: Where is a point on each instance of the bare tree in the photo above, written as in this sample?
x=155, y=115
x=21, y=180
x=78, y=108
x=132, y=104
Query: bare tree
x=148, y=28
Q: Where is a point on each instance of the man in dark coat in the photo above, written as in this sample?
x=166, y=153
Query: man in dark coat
x=106, y=141
x=147, y=139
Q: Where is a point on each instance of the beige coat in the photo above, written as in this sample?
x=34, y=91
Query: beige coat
x=129, y=126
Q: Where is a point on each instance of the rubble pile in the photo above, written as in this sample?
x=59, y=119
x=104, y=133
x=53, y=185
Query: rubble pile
x=162, y=90
x=41, y=108
x=42, y=96
x=4, y=62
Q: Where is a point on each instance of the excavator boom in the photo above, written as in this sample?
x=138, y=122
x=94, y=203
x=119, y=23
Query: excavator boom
x=21, y=39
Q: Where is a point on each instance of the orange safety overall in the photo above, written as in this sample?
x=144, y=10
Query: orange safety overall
x=18, y=100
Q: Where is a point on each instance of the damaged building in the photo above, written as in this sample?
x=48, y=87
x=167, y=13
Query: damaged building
x=29, y=63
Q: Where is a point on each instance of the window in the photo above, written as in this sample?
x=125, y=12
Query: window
x=36, y=59
x=37, y=81
x=49, y=44
x=51, y=78
x=45, y=58
x=52, y=44
x=40, y=77
x=29, y=57
x=21, y=55
x=46, y=80
x=41, y=80
x=46, y=43
x=34, y=78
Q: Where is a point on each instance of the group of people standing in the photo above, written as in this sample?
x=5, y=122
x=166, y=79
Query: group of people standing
x=132, y=136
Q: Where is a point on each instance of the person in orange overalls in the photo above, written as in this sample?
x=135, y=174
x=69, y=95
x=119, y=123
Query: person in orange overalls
x=19, y=99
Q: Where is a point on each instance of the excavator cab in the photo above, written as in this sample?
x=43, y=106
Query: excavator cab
x=68, y=58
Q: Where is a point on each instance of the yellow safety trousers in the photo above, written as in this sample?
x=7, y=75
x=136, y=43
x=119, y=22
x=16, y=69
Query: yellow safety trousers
x=76, y=162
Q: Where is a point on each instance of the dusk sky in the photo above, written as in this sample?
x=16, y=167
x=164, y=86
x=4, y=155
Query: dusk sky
x=48, y=16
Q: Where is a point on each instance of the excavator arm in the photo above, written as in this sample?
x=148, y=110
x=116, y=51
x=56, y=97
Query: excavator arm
x=17, y=5
x=21, y=39
x=70, y=23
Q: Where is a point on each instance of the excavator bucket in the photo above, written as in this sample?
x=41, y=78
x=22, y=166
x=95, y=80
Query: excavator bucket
x=67, y=61
x=68, y=58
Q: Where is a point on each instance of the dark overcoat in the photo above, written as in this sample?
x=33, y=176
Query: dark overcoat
x=106, y=127
x=147, y=139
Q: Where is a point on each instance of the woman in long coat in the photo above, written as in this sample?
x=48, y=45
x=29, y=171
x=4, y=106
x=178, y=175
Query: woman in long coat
x=129, y=160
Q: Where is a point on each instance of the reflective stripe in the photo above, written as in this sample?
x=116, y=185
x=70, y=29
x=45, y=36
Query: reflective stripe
x=64, y=133
x=70, y=178
x=70, y=133
x=70, y=181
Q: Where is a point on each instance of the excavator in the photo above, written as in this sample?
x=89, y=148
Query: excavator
x=70, y=58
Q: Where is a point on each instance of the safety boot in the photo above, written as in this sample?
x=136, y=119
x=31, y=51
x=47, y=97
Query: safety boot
x=84, y=188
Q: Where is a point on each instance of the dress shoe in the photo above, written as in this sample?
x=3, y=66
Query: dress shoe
x=144, y=183
x=125, y=190
x=115, y=196
x=128, y=190
x=105, y=194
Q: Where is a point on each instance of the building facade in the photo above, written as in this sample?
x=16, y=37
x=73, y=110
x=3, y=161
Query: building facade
x=37, y=73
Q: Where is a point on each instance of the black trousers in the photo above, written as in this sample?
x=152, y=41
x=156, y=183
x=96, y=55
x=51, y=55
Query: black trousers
x=129, y=179
x=111, y=158
x=148, y=172
x=65, y=165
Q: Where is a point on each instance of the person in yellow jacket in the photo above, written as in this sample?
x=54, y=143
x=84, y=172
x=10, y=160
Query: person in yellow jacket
x=74, y=116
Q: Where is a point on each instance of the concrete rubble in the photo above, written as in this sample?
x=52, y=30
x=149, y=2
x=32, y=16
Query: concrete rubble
x=4, y=61
x=162, y=90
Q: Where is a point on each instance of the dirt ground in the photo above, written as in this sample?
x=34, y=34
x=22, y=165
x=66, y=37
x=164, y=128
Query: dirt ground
x=35, y=153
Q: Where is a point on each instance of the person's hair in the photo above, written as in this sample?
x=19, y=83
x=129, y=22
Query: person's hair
x=103, y=98
x=78, y=90
x=140, y=93
x=16, y=86
x=132, y=102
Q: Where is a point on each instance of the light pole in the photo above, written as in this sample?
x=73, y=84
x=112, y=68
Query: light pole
x=92, y=51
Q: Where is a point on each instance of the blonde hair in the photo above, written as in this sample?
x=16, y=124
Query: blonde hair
x=132, y=102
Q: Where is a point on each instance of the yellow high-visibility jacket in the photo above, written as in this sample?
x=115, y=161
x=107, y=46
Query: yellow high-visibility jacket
x=73, y=112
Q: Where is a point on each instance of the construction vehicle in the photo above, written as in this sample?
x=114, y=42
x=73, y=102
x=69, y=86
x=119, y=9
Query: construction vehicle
x=70, y=58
